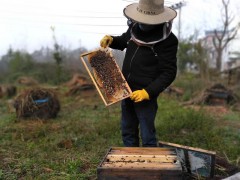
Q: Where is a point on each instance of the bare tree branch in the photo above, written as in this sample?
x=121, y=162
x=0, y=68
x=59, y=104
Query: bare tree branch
x=222, y=37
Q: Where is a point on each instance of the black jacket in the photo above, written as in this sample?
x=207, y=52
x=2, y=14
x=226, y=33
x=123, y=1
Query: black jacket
x=151, y=67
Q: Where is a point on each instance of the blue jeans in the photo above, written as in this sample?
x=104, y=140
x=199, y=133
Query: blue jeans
x=137, y=116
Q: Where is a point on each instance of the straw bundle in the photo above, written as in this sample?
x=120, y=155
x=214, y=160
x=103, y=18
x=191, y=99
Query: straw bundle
x=37, y=103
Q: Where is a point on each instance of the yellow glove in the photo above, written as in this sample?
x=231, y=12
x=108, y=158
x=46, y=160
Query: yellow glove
x=106, y=41
x=139, y=95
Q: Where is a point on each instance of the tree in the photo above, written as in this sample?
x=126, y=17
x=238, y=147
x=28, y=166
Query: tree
x=57, y=55
x=184, y=54
x=20, y=62
x=4, y=61
x=224, y=36
x=201, y=59
x=192, y=53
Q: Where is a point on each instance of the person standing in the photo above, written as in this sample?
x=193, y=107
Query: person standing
x=149, y=67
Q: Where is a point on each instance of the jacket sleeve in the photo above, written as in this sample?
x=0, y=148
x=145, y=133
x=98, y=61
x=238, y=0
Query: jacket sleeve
x=120, y=42
x=167, y=66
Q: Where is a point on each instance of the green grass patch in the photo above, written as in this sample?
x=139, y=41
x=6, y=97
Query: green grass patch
x=72, y=145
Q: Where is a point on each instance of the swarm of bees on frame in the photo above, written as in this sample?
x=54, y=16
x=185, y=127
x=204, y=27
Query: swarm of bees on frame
x=107, y=75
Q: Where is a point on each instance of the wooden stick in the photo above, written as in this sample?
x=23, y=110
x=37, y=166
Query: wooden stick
x=85, y=54
x=162, y=166
x=142, y=158
x=187, y=148
x=139, y=151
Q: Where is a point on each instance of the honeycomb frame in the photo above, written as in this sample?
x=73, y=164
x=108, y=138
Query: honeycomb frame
x=106, y=75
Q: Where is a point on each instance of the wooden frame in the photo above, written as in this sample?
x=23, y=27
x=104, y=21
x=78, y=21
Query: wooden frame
x=194, y=161
x=85, y=58
x=140, y=163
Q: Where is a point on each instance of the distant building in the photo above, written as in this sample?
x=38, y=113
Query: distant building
x=234, y=60
x=234, y=53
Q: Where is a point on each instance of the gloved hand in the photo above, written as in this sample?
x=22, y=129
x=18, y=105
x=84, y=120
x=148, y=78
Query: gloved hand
x=106, y=41
x=139, y=95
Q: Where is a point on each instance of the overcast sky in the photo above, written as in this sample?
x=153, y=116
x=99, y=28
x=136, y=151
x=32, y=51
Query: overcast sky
x=26, y=24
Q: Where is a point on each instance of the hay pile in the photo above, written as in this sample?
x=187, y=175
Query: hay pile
x=37, y=103
x=173, y=90
x=78, y=84
x=28, y=81
x=77, y=89
x=7, y=91
x=77, y=80
x=215, y=95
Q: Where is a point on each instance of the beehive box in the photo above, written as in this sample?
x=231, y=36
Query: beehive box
x=106, y=76
x=140, y=163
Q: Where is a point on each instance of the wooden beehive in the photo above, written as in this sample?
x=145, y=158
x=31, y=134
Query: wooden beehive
x=106, y=76
x=140, y=163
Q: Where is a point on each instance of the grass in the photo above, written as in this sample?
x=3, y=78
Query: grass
x=72, y=145
x=198, y=129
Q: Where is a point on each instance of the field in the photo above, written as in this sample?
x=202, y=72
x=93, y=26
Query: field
x=72, y=145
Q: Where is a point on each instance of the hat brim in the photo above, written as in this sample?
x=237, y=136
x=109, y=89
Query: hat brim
x=131, y=12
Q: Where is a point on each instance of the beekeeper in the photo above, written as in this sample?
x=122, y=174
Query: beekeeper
x=149, y=67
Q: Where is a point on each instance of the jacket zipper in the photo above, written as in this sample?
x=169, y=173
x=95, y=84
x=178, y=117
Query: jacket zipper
x=155, y=54
x=131, y=61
